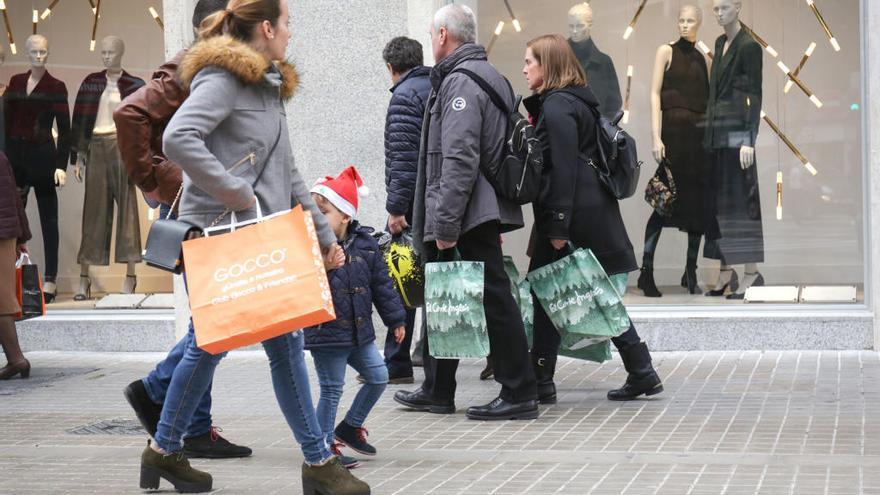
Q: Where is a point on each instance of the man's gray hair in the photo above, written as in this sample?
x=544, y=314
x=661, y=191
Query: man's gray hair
x=459, y=21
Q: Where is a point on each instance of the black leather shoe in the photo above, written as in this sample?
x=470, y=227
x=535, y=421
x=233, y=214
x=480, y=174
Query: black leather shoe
x=212, y=446
x=499, y=410
x=641, y=378
x=147, y=411
x=422, y=401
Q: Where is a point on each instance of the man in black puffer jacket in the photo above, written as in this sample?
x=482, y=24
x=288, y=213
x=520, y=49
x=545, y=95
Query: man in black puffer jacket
x=403, y=128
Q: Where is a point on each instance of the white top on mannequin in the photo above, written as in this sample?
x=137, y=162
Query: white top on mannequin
x=727, y=13
x=580, y=22
x=112, y=50
x=690, y=18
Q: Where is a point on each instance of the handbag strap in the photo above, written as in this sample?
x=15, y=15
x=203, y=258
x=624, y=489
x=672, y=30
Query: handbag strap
x=219, y=219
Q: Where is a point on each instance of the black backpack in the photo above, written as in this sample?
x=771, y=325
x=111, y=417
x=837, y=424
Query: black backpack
x=518, y=176
x=617, y=163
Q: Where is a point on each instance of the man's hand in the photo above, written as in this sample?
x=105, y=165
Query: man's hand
x=746, y=157
x=334, y=258
x=60, y=178
x=559, y=244
x=399, y=334
x=444, y=245
x=397, y=224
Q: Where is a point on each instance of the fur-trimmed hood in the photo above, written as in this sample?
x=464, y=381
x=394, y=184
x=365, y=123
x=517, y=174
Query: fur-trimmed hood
x=238, y=58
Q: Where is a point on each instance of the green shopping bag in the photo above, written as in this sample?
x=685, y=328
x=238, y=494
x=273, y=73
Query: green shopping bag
x=595, y=349
x=579, y=297
x=454, y=307
x=522, y=293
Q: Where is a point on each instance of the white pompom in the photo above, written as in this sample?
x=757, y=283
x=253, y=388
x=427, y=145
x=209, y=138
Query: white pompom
x=363, y=191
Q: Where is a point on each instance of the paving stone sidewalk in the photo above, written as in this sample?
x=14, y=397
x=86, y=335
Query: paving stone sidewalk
x=729, y=423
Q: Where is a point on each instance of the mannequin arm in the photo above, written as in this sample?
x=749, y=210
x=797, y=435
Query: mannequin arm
x=60, y=177
x=61, y=108
x=80, y=165
x=661, y=64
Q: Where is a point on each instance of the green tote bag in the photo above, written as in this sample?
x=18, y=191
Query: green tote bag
x=522, y=294
x=454, y=307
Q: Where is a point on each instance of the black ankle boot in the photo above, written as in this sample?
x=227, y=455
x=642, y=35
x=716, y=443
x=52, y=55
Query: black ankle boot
x=641, y=378
x=545, y=368
x=175, y=469
x=689, y=281
x=646, y=283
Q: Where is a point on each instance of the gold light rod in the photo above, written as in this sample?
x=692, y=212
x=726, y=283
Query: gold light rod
x=495, y=36
x=779, y=195
x=629, y=80
x=800, y=67
x=8, y=28
x=794, y=149
x=632, y=25
x=48, y=11
x=772, y=51
x=807, y=91
x=156, y=17
x=513, y=19
x=95, y=25
x=36, y=20
x=831, y=38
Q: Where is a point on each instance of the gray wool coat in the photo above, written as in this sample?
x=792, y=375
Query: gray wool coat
x=462, y=130
x=223, y=133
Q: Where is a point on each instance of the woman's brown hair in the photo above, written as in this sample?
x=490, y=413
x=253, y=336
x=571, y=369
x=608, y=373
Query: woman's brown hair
x=561, y=66
x=240, y=18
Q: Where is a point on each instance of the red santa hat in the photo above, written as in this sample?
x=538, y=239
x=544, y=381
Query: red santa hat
x=343, y=191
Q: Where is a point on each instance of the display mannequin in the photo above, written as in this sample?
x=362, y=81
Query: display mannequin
x=679, y=91
x=3, y=88
x=734, y=229
x=601, y=75
x=35, y=101
x=95, y=149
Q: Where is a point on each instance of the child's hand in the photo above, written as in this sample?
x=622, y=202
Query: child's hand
x=399, y=334
x=334, y=258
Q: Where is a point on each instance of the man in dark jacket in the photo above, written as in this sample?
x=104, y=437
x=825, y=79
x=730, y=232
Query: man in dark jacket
x=457, y=208
x=140, y=122
x=403, y=128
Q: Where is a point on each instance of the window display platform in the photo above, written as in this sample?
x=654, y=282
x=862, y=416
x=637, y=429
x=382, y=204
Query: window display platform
x=65, y=302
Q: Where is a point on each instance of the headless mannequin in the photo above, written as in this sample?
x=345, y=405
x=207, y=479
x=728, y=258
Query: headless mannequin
x=690, y=20
x=112, y=51
x=727, y=12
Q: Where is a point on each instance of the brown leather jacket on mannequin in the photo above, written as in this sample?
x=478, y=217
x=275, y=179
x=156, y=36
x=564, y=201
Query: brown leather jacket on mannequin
x=140, y=122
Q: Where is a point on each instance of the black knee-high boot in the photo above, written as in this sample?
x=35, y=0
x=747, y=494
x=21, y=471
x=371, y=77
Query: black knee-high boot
x=652, y=236
x=689, y=279
x=545, y=369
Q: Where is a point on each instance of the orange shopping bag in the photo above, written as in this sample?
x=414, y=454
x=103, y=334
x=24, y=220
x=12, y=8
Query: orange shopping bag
x=257, y=282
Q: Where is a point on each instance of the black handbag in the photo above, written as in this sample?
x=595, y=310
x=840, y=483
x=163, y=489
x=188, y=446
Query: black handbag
x=165, y=240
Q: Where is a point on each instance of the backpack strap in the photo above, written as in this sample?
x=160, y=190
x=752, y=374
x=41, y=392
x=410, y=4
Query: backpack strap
x=487, y=88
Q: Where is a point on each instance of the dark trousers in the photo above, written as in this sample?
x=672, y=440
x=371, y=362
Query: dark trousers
x=397, y=357
x=507, y=335
x=547, y=338
x=47, y=204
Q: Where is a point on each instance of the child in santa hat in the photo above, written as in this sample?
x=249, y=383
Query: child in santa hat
x=350, y=339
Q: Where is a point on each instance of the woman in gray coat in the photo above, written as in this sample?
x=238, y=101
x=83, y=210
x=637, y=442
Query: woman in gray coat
x=231, y=139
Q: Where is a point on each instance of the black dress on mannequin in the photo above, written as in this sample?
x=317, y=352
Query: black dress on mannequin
x=32, y=150
x=683, y=99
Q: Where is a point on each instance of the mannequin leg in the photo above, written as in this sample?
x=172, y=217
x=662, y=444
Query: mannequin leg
x=652, y=238
x=130, y=284
x=728, y=282
x=751, y=278
x=47, y=203
x=84, y=292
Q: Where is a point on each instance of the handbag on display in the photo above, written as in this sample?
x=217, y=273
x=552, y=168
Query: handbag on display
x=661, y=192
x=29, y=289
x=164, y=248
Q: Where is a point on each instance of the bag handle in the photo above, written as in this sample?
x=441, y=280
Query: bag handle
x=24, y=259
x=488, y=89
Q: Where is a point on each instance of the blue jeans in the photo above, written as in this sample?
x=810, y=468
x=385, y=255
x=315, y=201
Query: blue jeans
x=159, y=379
x=330, y=364
x=290, y=378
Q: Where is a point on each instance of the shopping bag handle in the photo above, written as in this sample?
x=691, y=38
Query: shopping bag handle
x=447, y=255
x=235, y=224
x=24, y=259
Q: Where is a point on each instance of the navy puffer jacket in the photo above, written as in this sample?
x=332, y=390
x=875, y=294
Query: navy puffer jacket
x=356, y=287
x=403, y=131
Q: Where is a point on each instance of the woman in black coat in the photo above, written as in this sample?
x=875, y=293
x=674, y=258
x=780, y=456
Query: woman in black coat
x=574, y=207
